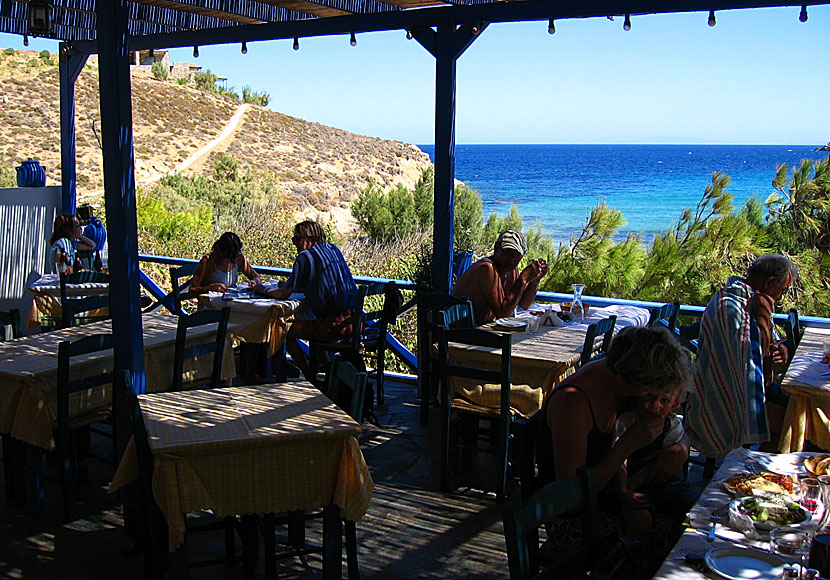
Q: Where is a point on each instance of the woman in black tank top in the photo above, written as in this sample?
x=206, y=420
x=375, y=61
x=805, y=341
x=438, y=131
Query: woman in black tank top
x=581, y=413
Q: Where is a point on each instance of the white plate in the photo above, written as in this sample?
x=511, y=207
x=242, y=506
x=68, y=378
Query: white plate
x=737, y=504
x=785, y=464
x=513, y=323
x=744, y=564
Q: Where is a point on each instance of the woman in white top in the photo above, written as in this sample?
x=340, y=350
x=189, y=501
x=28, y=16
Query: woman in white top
x=220, y=268
x=67, y=238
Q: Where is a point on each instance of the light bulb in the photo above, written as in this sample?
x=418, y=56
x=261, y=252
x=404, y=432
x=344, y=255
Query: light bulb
x=244, y=47
x=627, y=23
x=195, y=52
x=296, y=43
x=353, y=40
x=409, y=35
x=802, y=17
x=711, y=18
x=551, y=27
x=25, y=40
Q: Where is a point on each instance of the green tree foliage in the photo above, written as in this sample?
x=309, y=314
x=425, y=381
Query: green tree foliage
x=205, y=81
x=159, y=71
x=261, y=98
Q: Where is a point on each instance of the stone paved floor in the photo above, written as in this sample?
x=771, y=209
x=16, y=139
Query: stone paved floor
x=411, y=530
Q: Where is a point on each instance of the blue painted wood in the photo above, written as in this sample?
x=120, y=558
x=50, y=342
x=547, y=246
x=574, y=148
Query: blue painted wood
x=70, y=65
x=444, y=199
x=119, y=196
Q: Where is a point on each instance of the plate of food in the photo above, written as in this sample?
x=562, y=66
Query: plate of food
x=769, y=510
x=512, y=323
x=740, y=563
x=747, y=483
x=785, y=463
x=818, y=464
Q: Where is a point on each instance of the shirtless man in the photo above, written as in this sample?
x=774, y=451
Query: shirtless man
x=494, y=284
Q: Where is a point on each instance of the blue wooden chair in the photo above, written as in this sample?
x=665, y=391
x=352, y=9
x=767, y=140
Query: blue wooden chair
x=215, y=347
x=436, y=309
x=522, y=523
x=343, y=374
x=180, y=290
x=67, y=428
x=532, y=453
x=793, y=331
x=468, y=414
x=665, y=315
x=604, y=329
x=10, y=319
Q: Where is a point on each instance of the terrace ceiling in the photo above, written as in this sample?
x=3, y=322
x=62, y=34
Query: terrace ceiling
x=168, y=23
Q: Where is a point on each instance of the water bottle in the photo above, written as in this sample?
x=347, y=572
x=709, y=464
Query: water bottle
x=77, y=266
x=60, y=261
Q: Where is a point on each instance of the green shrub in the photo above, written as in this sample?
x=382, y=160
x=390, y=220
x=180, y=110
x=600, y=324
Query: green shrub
x=45, y=55
x=160, y=71
x=182, y=81
x=9, y=52
x=205, y=81
x=255, y=97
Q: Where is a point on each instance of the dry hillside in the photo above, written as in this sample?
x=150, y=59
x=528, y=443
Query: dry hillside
x=319, y=167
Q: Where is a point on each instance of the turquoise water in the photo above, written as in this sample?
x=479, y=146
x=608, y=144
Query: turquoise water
x=556, y=186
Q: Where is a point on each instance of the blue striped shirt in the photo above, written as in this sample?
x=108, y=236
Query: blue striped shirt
x=322, y=274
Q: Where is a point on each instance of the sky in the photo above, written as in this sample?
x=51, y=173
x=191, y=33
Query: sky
x=757, y=77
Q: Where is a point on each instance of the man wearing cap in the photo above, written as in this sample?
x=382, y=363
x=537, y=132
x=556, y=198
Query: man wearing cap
x=494, y=284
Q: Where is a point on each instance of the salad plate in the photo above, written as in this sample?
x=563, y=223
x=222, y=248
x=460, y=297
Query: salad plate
x=744, y=563
x=768, y=510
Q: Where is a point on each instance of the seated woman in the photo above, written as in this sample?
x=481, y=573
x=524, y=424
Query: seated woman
x=67, y=239
x=581, y=415
x=220, y=268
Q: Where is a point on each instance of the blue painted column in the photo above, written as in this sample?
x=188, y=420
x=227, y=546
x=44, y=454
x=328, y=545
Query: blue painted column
x=119, y=195
x=70, y=66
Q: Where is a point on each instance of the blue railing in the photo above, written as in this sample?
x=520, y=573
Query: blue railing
x=403, y=353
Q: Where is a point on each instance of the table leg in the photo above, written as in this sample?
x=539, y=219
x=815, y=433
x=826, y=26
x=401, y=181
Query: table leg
x=332, y=543
x=35, y=493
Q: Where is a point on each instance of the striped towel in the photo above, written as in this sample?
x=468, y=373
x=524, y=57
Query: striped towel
x=726, y=407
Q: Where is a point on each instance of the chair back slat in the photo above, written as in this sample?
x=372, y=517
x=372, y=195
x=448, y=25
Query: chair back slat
x=605, y=329
x=71, y=308
x=665, y=315
x=522, y=522
x=793, y=331
x=179, y=289
x=217, y=347
x=343, y=372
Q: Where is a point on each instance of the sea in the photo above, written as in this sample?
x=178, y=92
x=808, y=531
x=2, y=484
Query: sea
x=556, y=186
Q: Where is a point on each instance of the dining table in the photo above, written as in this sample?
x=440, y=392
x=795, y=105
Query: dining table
x=46, y=292
x=540, y=359
x=807, y=380
x=28, y=373
x=251, y=450
x=683, y=562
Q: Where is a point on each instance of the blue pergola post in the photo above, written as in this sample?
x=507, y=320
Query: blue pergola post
x=70, y=66
x=446, y=44
x=119, y=195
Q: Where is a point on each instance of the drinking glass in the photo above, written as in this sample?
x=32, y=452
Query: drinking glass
x=533, y=324
x=577, y=308
x=791, y=544
x=820, y=554
x=824, y=485
x=810, y=494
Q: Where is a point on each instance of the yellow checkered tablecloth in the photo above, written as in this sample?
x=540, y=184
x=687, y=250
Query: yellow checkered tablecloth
x=250, y=450
x=28, y=373
x=47, y=290
x=539, y=362
x=808, y=411
x=257, y=319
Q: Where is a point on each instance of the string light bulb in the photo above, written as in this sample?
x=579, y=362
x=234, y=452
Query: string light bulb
x=409, y=35
x=244, y=47
x=296, y=43
x=25, y=40
x=551, y=27
x=353, y=40
x=802, y=16
x=196, y=51
x=712, y=21
x=475, y=29
x=627, y=23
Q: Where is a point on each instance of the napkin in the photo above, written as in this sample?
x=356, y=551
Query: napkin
x=549, y=318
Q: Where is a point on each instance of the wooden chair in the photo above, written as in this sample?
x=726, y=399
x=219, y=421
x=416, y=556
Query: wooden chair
x=12, y=320
x=688, y=335
x=665, y=315
x=152, y=526
x=431, y=313
x=67, y=428
x=522, y=522
x=532, y=453
x=180, y=290
x=76, y=311
x=368, y=336
x=216, y=347
x=793, y=331
x=605, y=329
x=343, y=373
x=468, y=414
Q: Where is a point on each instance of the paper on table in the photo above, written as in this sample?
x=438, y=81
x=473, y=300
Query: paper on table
x=807, y=369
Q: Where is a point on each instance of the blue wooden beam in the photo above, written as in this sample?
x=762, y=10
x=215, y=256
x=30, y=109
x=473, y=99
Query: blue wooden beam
x=70, y=66
x=119, y=192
